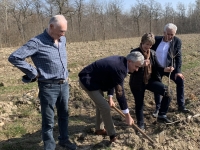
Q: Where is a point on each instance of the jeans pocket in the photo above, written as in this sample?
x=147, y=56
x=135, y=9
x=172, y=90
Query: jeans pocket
x=45, y=85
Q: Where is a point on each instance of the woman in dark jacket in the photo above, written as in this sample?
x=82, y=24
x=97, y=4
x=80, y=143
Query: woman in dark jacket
x=148, y=78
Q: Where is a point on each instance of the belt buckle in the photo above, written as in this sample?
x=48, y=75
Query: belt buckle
x=61, y=81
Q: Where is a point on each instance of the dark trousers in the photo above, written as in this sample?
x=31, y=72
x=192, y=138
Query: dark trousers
x=179, y=91
x=155, y=86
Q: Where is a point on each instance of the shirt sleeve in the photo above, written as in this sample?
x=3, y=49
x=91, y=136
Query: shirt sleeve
x=110, y=91
x=18, y=57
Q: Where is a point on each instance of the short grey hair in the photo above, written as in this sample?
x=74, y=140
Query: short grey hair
x=135, y=56
x=170, y=26
x=55, y=20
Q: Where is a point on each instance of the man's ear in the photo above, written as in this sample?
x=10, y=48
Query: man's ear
x=51, y=26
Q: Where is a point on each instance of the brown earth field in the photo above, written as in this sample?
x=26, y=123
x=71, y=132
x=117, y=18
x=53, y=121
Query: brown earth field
x=20, y=118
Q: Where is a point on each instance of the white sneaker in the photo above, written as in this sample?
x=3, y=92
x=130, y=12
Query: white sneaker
x=155, y=113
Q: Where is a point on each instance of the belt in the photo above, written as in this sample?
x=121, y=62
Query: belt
x=54, y=81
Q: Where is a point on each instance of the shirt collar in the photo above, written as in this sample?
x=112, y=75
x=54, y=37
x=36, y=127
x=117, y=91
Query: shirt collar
x=164, y=41
x=49, y=37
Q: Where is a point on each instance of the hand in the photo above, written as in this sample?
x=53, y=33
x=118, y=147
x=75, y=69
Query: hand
x=179, y=75
x=111, y=102
x=169, y=69
x=146, y=62
x=129, y=119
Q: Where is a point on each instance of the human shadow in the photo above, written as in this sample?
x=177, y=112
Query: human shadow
x=33, y=141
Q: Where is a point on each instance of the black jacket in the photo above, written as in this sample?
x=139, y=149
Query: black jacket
x=105, y=74
x=174, y=49
x=137, y=78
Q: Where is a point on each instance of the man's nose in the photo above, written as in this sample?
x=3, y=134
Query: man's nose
x=62, y=34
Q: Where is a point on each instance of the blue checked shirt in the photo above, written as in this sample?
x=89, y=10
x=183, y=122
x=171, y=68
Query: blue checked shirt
x=49, y=59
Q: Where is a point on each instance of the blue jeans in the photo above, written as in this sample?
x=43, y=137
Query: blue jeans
x=179, y=91
x=52, y=95
x=154, y=86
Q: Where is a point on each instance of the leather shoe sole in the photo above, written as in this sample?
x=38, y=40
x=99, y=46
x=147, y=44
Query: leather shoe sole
x=101, y=132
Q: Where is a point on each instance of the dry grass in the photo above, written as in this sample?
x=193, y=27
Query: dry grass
x=20, y=114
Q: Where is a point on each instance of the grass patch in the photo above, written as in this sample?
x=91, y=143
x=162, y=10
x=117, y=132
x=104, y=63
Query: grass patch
x=14, y=130
x=75, y=120
x=72, y=65
x=73, y=76
x=190, y=65
x=17, y=88
x=26, y=112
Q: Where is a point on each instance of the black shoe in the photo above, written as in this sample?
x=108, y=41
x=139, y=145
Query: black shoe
x=183, y=110
x=141, y=128
x=113, y=138
x=164, y=119
x=68, y=145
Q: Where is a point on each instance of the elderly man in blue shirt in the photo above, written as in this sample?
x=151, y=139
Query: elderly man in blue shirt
x=48, y=53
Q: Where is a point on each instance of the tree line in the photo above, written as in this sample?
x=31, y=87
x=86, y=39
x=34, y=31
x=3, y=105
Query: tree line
x=93, y=20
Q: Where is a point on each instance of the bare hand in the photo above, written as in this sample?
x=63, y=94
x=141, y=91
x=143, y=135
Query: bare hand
x=169, y=69
x=179, y=75
x=129, y=119
x=111, y=102
x=146, y=62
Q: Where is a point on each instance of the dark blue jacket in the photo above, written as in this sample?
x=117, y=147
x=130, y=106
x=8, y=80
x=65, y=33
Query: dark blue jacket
x=175, y=50
x=105, y=74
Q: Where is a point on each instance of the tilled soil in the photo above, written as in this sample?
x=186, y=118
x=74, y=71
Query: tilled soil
x=21, y=109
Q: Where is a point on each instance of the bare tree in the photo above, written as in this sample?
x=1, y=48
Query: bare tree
x=181, y=17
x=114, y=11
x=39, y=11
x=21, y=12
x=137, y=13
x=49, y=7
x=102, y=20
x=197, y=15
x=56, y=7
x=79, y=12
x=155, y=12
x=4, y=7
x=93, y=20
x=169, y=13
x=191, y=19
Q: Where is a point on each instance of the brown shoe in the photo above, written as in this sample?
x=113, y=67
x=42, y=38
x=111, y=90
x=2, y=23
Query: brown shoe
x=113, y=139
x=101, y=132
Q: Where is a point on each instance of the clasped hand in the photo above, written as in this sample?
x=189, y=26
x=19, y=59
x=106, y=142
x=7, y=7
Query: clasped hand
x=169, y=69
x=146, y=62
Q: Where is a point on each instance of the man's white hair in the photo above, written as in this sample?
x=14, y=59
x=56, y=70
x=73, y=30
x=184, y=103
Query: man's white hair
x=55, y=20
x=170, y=26
x=135, y=56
